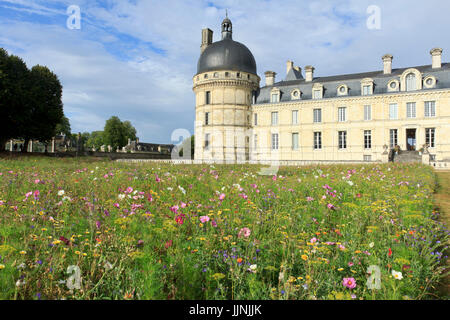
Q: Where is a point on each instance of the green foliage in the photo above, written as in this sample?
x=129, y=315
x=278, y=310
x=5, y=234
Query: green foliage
x=116, y=133
x=95, y=140
x=63, y=126
x=30, y=101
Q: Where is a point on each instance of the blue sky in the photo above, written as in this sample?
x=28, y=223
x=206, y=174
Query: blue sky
x=136, y=58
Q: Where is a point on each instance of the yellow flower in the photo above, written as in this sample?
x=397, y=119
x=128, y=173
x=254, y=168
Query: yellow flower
x=340, y=269
x=77, y=252
x=2, y=266
x=304, y=257
x=23, y=252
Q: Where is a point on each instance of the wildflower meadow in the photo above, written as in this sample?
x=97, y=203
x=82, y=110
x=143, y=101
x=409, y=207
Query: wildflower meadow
x=87, y=229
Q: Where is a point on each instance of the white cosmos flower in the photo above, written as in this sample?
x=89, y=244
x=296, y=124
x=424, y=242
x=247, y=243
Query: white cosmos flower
x=121, y=196
x=397, y=274
x=350, y=183
x=60, y=193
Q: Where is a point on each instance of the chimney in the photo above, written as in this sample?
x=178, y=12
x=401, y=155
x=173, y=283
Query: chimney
x=436, y=58
x=270, y=78
x=289, y=66
x=309, y=70
x=207, y=39
x=387, y=61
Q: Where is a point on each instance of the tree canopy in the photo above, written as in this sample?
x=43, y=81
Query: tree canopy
x=30, y=101
x=117, y=133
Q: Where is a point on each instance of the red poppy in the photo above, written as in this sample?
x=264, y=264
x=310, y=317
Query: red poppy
x=168, y=244
x=390, y=252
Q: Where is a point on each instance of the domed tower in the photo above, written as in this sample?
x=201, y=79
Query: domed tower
x=224, y=86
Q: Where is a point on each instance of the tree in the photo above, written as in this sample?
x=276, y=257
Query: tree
x=45, y=108
x=130, y=131
x=117, y=133
x=95, y=140
x=14, y=97
x=63, y=127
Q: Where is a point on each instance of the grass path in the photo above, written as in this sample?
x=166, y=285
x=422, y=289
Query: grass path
x=442, y=201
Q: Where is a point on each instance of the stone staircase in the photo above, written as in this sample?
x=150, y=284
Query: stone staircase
x=408, y=156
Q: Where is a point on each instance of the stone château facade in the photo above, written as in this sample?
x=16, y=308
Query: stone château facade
x=353, y=117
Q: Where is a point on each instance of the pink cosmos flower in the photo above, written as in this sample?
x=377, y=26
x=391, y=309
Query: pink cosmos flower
x=244, y=232
x=313, y=240
x=330, y=206
x=222, y=196
x=274, y=178
x=204, y=219
x=309, y=199
x=350, y=264
x=36, y=194
x=349, y=283
x=214, y=223
x=180, y=219
x=129, y=190
x=116, y=205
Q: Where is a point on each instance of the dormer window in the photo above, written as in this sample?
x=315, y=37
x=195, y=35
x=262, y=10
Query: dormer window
x=411, y=82
x=275, y=95
x=367, y=87
x=342, y=90
x=227, y=74
x=206, y=76
x=295, y=95
x=317, y=91
x=393, y=85
x=216, y=74
x=429, y=82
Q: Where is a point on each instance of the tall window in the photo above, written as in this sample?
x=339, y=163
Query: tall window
x=256, y=119
x=367, y=90
x=342, y=114
x=208, y=97
x=206, y=118
x=317, y=115
x=411, y=110
x=393, y=138
x=342, y=139
x=367, y=139
x=274, y=98
x=274, y=118
x=317, y=140
x=207, y=141
x=274, y=141
x=430, y=109
x=411, y=82
x=393, y=111
x=255, y=141
x=295, y=141
x=430, y=137
x=295, y=117
x=367, y=113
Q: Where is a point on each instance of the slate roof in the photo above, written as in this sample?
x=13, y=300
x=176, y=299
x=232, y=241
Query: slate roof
x=353, y=81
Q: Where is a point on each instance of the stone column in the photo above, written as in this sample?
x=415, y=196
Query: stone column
x=53, y=145
x=11, y=145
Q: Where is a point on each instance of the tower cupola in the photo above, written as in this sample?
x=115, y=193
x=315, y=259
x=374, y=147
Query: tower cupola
x=227, y=29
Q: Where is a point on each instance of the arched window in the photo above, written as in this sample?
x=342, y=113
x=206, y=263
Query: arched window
x=411, y=82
